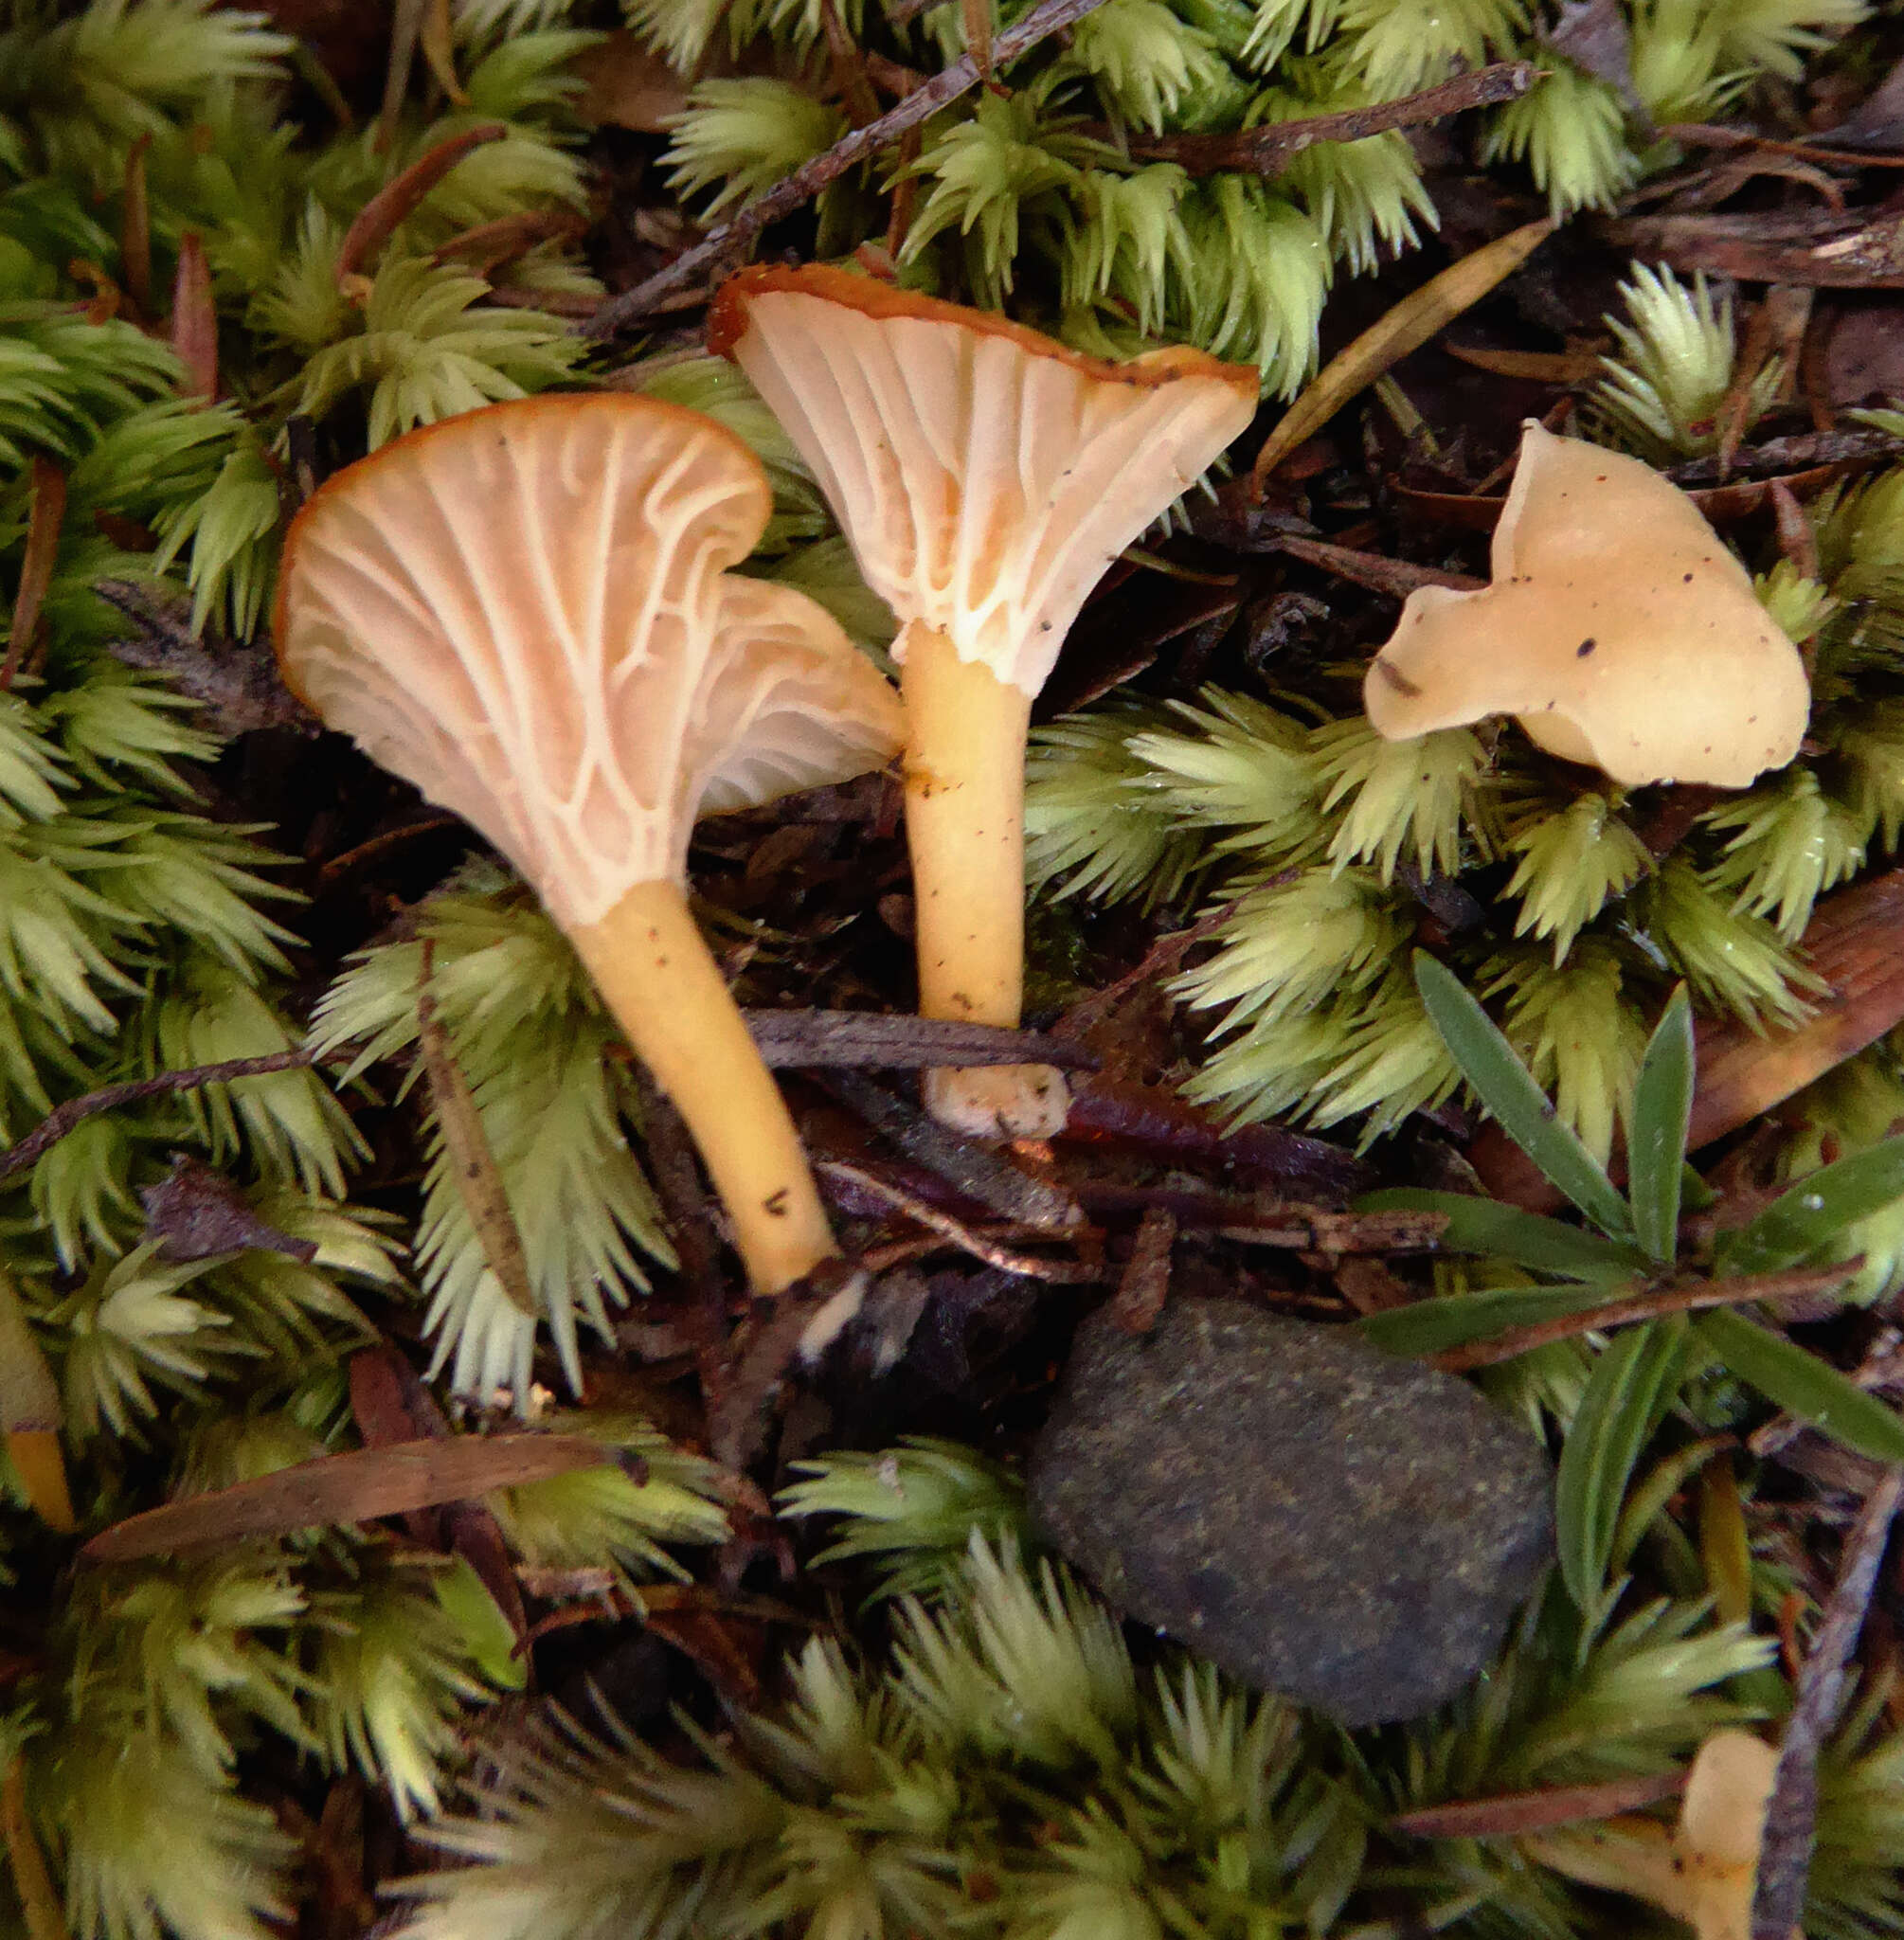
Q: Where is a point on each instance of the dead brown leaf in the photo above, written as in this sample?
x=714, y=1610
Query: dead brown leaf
x=360, y=1486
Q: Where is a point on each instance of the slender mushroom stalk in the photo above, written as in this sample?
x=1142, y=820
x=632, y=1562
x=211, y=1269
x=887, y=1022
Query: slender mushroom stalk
x=984, y=476
x=1618, y=631
x=528, y=612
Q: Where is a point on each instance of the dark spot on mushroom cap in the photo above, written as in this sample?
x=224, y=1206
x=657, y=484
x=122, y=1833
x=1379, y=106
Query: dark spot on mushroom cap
x=1585, y=647
x=1397, y=678
x=1686, y=578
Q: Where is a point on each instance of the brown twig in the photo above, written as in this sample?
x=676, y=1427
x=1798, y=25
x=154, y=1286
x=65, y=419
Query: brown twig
x=1648, y=1306
x=1062, y=1272
x=800, y=188
x=1785, y=1860
x=62, y=1119
x=1267, y=150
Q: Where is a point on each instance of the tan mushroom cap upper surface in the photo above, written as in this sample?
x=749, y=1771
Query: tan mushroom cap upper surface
x=984, y=475
x=1617, y=629
x=527, y=611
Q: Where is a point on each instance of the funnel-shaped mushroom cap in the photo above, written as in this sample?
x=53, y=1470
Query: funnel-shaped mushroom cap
x=1618, y=630
x=525, y=611
x=984, y=475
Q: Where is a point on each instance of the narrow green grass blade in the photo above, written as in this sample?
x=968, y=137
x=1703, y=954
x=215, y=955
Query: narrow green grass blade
x=1655, y=1138
x=1808, y=1219
x=1632, y=1385
x=1522, y=1110
x=1455, y=1318
x=1485, y=1226
x=1805, y=1386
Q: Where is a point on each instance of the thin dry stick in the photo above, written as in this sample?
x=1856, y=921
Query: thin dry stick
x=806, y=181
x=1064, y=1273
x=1649, y=1306
x=61, y=1121
x=1268, y=150
x=1791, y=1824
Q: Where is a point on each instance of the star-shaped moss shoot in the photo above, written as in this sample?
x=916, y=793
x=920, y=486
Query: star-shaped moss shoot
x=985, y=477
x=527, y=612
x=1617, y=630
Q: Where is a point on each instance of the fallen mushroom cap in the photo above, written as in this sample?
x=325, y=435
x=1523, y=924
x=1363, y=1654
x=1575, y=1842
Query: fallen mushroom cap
x=1618, y=630
x=525, y=610
x=985, y=475
x=1706, y=1871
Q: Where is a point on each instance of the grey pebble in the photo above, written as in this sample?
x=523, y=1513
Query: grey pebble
x=1318, y=1517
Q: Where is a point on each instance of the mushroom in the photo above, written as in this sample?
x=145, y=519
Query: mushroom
x=985, y=477
x=1706, y=1871
x=527, y=612
x=1618, y=631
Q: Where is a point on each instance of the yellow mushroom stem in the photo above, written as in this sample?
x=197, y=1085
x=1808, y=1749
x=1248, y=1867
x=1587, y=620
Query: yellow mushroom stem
x=660, y=979
x=965, y=735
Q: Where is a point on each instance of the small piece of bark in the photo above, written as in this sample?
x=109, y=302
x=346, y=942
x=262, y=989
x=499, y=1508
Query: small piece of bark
x=196, y=1213
x=812, y=1040
x=1855, y=946
x=1146, y=1285
x=238, y=686
x=1822, y=250
x=975, y=1169
x=1790, y=1824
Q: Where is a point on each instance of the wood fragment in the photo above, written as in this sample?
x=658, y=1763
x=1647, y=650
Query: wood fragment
x=723, y=244
x=1790, y=1826
x=362, y=1485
